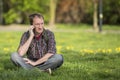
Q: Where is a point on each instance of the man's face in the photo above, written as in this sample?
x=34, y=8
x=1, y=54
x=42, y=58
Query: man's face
x=38, y=23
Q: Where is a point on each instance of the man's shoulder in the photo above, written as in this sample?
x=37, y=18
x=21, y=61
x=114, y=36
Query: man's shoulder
x=26, y=33
x=47, y=34
x=48, y=31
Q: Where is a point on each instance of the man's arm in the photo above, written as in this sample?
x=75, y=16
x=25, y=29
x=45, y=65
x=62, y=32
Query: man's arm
x=23, y=49
x=51, y=51
x=39, y=61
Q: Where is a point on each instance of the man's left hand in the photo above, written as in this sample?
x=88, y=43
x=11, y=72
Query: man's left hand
x=29, y=61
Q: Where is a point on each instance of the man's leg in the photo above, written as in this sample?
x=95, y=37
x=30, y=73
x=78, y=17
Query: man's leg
x=18, y=60
x=53, y=62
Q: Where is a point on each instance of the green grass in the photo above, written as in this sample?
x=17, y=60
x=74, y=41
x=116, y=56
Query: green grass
x=87, y=55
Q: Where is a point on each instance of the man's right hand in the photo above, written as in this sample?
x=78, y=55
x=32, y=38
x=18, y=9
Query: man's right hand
x=31, y=31
x=23, y=49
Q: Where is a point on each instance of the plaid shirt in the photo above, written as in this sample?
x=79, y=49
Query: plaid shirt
x=39, y=47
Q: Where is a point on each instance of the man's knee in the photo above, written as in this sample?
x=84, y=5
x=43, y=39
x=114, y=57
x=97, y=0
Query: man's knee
x=58, y=59
x=14, y=56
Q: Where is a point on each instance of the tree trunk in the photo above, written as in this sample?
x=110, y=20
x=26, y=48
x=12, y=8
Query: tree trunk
x=1, y=11
x=52, y=12
x=95, y=16
x=69, y=11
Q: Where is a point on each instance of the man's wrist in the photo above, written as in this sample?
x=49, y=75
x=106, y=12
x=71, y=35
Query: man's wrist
x=34, y=64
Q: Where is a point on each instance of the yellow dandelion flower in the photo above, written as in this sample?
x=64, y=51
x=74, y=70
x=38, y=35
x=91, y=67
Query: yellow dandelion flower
x=71, y=47
x=98, y=50
x=117, y=49
x=59, y=49
x=84, y=50
x=68, y=48
x=6, y=49
x=104, y=51
x=109, y=50
x=91, y=51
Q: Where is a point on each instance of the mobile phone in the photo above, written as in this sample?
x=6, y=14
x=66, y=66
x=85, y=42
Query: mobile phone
x=33, y=29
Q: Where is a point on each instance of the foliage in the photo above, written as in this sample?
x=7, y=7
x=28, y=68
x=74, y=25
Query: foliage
x=111, y=11
x=11, y=16
x=87, y=55
x=20, y=10
x=17, y=11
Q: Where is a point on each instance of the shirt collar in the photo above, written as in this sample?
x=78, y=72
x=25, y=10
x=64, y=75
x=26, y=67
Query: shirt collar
x=43, y=34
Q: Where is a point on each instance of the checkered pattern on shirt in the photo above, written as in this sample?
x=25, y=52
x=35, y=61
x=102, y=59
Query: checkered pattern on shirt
x=38, y=48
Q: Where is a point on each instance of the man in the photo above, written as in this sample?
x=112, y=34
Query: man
x=39, y=45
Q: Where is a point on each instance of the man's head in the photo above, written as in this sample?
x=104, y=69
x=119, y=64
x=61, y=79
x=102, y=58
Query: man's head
x=37, y=20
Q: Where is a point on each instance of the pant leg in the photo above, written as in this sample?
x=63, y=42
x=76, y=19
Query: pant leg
x=53, y=62
x=18, y=60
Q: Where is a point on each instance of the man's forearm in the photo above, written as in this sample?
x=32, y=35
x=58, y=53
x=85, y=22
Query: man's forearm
x=23, y=49
x=43, y=59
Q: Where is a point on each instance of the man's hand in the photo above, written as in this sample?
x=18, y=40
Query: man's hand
x=31, y=31
x=29, y=61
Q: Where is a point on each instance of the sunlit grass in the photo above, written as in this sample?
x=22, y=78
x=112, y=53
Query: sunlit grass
x=87, y=55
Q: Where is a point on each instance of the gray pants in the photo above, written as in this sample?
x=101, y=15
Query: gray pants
x=53, y=62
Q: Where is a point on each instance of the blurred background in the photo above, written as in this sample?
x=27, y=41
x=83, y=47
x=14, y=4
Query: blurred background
x=87, y=34
x=93, y=12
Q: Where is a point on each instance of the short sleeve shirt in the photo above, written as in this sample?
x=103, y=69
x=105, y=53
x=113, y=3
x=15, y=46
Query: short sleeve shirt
x=39, y=47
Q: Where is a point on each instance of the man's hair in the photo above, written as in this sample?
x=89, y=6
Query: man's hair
x=35, y=15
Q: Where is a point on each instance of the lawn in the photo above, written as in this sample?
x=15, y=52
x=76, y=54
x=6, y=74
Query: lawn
x=87, y=55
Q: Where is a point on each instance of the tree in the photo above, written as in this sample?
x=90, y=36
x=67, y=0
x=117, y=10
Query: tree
x=52, y=12
x=69, y=11
x=1, y=11
x=73, y=11
x=95, y=16
x=111, y=10
x=17, y=11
